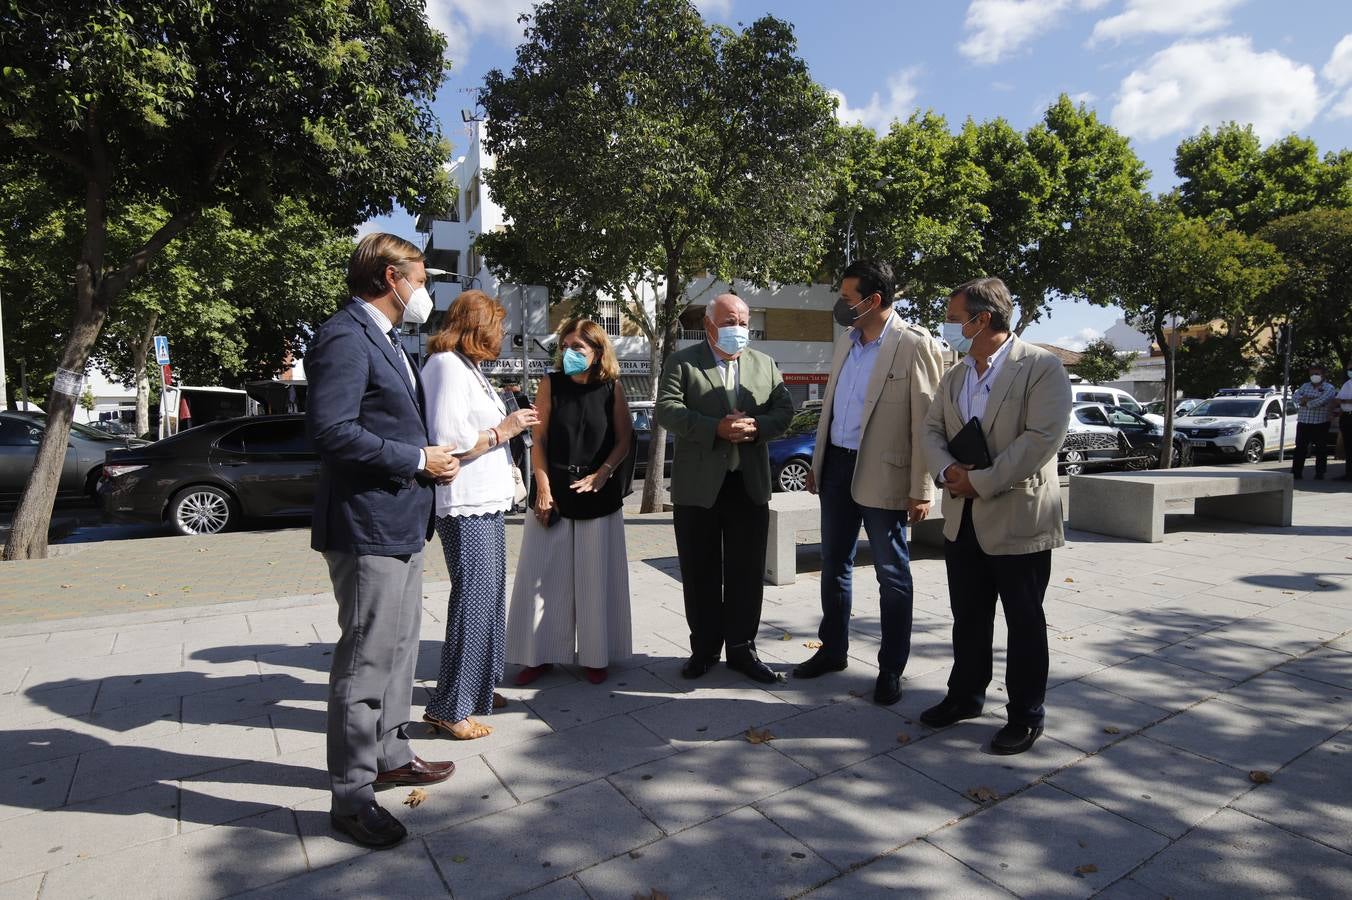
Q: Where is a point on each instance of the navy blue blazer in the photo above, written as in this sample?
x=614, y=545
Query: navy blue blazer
x=366, y=421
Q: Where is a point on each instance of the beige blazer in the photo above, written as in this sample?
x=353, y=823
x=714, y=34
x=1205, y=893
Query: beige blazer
x=1018, y=503
x=891, y=464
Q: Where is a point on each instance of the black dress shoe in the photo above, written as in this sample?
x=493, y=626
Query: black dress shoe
x=888, y=689
x=819, y=664
x=948, y=712
x=418, y=772
x=1015, y=738
x=372, y=826
x=746, y=661
x=696, y=666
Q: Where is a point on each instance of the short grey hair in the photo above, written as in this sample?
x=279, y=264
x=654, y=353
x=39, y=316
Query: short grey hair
x=988, y=295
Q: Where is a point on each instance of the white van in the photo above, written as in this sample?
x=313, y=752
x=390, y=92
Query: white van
x=1109, y=396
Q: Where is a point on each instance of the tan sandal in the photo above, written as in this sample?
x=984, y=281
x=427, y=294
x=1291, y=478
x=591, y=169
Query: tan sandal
x=466, y=730
x=499, y=701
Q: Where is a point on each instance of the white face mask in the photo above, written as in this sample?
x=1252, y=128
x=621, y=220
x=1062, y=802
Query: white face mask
x=1316, y=379
x=418, y=306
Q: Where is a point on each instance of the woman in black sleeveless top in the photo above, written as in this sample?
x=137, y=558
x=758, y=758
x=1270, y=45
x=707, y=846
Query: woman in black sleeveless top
x=570, y=601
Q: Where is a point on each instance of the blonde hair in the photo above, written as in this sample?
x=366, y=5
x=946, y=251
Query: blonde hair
x=374, y=253
x=472, y=326
x=605, y=367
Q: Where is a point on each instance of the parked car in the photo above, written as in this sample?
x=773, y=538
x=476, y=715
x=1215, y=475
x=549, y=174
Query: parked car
x=791, y=453
x=1181, y=408
x=207, y=479
x=642, y=413
x=1242, y=424
x=1109, y=396
x=20, y=434
x=1145, y=437
x=1104, y=437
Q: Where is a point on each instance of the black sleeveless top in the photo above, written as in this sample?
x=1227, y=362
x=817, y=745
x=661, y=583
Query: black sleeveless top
x=581, y=436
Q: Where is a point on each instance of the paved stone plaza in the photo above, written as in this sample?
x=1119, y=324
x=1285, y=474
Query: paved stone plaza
x=178, y=750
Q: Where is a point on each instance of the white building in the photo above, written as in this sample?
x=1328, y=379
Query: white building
x=791, y=323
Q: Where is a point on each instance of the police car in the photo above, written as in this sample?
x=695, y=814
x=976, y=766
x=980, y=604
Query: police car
x=1239, y=423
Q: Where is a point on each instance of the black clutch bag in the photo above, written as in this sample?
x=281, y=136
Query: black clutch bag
x=968, y=446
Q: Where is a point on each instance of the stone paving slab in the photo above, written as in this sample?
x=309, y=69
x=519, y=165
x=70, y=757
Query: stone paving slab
x=180, y=748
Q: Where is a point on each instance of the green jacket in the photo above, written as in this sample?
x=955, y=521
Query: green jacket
x=691, y=400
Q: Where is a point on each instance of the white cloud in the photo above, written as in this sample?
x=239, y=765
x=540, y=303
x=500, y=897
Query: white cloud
x=1164, y=17
x=1196, y=83
x=880, y=112
x=1338, y=72
x=997, y=28
x=466, y=22
x=715, y=9
x=1085, y=97
x=1079, y=340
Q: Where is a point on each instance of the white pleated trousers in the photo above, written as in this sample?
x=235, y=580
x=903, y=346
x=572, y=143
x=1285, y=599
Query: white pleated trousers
x=570, y=599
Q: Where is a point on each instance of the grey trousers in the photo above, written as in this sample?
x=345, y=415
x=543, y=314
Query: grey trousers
x=371, y=679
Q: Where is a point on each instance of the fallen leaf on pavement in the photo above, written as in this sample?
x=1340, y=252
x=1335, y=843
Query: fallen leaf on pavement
x=812, y=645
x=459, y=859
x=759, y=736
x=1258, y=776
x=415, y=798
x=65, y=585
x=903, y=738
x=1070, y=581
x=1112, y=729
x=982, y=794
x=1086, y=869
x=786, y=636
x=654, y=894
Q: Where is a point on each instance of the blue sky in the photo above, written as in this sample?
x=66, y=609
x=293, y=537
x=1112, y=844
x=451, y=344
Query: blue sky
x=1159, y=70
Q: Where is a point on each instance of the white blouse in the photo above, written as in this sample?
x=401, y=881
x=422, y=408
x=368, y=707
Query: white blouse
x=460, y=404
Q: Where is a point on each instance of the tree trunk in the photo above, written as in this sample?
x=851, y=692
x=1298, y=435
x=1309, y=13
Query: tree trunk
x=28, y=534
x=1167, y=443
x=140, y=354
x=655, y=477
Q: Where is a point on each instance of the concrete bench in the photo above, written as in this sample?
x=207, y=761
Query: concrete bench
x=798, y=511
x=1132, y=504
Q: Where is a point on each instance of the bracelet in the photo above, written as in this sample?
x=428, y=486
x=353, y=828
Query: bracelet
x=496, y=439
x=607, y=466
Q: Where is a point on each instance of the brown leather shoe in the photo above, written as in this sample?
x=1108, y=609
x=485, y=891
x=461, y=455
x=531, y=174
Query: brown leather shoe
x=418, y=772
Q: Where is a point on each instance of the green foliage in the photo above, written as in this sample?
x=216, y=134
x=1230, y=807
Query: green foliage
x=1219, y=361
x=633, y=141
x=1228, y=176
x=989, y=200
x=1101, y=363
x=87, y=401
x=1316, y=294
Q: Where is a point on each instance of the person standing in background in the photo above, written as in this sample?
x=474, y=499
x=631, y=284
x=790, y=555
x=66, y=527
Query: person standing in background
x=1345, y=424
x=723, y=402
x=1314, y=402
x=372, y=518
x=570, y=599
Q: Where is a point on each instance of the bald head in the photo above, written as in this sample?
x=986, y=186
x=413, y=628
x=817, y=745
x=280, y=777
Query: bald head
x=726, y=310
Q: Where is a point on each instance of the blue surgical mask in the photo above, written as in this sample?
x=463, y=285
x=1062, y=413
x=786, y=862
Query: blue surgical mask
x=575, y=362
x=956, y=339
x=732, y=339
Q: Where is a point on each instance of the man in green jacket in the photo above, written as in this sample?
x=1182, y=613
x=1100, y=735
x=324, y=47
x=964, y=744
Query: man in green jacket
x=723, y=403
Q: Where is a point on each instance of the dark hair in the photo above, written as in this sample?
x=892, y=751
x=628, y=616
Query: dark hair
x=988, y=295
x=605, y=367
x=875, y=277
x=375, y=252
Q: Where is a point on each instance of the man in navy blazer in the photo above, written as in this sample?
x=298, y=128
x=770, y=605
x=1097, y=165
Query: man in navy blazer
x=372, y=518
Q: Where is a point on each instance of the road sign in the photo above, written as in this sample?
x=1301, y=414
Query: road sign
x=161, y=350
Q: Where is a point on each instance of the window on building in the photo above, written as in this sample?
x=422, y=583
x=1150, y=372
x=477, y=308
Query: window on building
x=472, y=265
x=472, y=196
x=756, y=324
x=608, y=316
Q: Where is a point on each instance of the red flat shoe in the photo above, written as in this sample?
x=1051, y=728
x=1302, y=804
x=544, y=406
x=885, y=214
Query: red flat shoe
x=595, y=676
x=530, y=673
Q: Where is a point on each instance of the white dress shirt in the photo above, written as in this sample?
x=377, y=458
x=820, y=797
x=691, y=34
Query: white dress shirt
x=385, y=326
x=847, y=405
x=730, y=370
x=976, y=389
x=1345, y=396
x=461, y=404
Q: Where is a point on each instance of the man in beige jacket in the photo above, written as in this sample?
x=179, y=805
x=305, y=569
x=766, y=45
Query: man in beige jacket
x=868, y=467
x=1000, y=522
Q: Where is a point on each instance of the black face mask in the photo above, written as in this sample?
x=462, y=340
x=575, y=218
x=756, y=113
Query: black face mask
x=845, y=314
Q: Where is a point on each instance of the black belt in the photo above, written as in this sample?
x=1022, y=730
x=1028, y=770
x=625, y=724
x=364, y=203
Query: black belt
x=836, y=448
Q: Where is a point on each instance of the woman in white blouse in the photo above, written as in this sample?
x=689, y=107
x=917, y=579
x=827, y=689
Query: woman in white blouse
x=464, y=411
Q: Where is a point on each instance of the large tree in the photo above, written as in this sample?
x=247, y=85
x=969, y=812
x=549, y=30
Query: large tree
x=191, y=105
x=1169, y=270
x=635, y=146
x=1315, y=297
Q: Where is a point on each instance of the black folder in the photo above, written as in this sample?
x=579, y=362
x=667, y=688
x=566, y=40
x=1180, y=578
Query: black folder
x=968, y=446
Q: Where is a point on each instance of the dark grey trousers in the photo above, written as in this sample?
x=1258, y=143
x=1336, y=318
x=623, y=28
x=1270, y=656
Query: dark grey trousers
x=371, y=680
